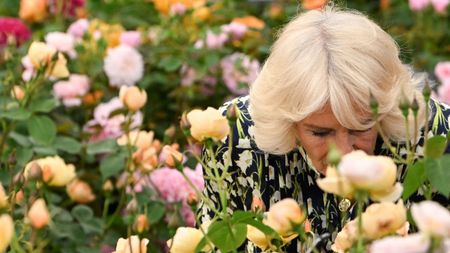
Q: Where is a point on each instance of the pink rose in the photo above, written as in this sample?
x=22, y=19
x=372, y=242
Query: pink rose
x=78, y=28
x=15, y=28
x=442, y=71
x=418, y=5
x=72, y=90
x=237, y=30
x=413, y=243
x=63, y=42
x=238, y=72
x=177, y=9
x=131, y=38
x=29, y=70
x=431, y=218
x=444, y=92
x=440, y=5
x=215, y=41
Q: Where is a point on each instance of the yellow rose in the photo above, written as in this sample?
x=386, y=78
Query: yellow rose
x=41, y=54
x=55, y=171
x=185, y=240
x=140, y=139
x=6, y=231
x=17, y=92
x=257, y=237
x=282, y=215
x=38, y=214
x=33, y=10
x=133, y=97
x=131, y=245
x=208, y=124
x=381, y=219
x=80, y=192
x=336, y=184
x=3, y=197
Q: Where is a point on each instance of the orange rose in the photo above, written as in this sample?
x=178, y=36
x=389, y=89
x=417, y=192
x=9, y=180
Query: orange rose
x=33, y=10
x=38, y=214
x=314, y=4
x=80, y=192
x=250, y=22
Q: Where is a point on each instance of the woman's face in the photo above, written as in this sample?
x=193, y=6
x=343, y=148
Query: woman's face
x=320, y=129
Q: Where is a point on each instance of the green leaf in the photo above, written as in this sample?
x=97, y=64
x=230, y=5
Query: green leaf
x=23, y=156
x=156, y=211
x=43, y=105
x=45, y=150
x=42, y=129
x=70, y=145
x=82, y=213
x=436, y=146
x=15, y=114
x=105, y=146
x=22, y=140
x=438, y=172
x=92, y=226
x=264, y=228
x=415, y=177
x=242, y=216
x=226, y=236
x=112, y=165
x=170, y=63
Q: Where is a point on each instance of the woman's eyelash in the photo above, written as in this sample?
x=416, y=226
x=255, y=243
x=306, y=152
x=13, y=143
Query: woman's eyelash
x=320, y=134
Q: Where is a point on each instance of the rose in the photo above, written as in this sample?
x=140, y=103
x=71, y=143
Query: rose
x=186, y=240
x=6, y=231
x=283, y=215
x=141, y=224
x=171, y=156
x=55, y=171
x=132, y=97
x=381, y=219
x=336, y=184
x=257, y=237
x=431, y=218
x=207, y=124
x=38, y=214
x=131, y=245
x=398, y=244
x=80, y=192
x=140, y=139
x=345, y=238
x=359, y=171
x=17, y=92
x=3, y=197
x=33, y=10
x=41, y=54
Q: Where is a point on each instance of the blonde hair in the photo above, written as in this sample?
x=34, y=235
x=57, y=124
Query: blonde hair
x=336, y=57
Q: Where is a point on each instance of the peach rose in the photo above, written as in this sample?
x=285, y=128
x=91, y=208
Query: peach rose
x=346, y=237
x=55, y=171
x=141, y=224
x=381, y=219
x=131, y=245
x=140, y=139
x=283, y=214
x=208, y=124
x=399, y=244
x=6, y=231
x=133, y=97
x=3, y=197
x=17, y=92
x=258, y=238
x=171, y=156
x=38, y=214
x=335, y=183
x=185, y=240
x=80, y=192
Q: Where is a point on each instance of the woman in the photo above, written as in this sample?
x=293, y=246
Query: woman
x=314, y=90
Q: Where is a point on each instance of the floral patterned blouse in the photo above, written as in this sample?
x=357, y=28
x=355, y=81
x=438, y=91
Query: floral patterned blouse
x=274, y=177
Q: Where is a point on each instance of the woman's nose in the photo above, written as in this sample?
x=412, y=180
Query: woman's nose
x=344, y=143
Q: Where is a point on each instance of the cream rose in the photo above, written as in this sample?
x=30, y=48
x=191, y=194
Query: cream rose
x=401, y=244
x=336, y=184
x=40, y=53
x=208, y=124
x=131, y=245
x=431, y=218
x=381, y=219
x=38, y=214
x=55, y=171
x=133, y=97
x=345, y=238
x=140, y=139
x=6, y=231
x=80, y=192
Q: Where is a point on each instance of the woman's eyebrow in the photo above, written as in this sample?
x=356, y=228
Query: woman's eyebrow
x=318, y=127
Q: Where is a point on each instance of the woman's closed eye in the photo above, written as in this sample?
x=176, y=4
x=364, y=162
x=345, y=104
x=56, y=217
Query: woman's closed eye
x=321, y=133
